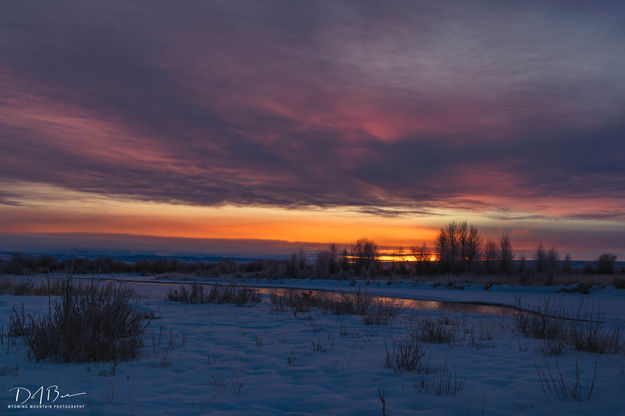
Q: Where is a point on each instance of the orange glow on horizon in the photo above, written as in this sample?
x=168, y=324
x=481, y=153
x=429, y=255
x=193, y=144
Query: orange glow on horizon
x=312, y=230
x=55, y=210
x=35, y=208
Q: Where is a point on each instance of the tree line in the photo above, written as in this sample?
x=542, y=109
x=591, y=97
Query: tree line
x=458, y=249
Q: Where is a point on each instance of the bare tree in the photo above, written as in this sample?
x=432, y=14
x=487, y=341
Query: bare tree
x=505, y=254
x=553, y=258
x=399, y=261
x=364, y=254
x=327, y=262
x=567, y=266
x=606, y=263
x=333, y=258
x=458, y=245
x=344, y=260
x=447, y=246
x=471, y=247
x=462, y=231
x=296, y=263
x=491, y=256
x=322, y=264
x=292, y=266
x=301, y=258
x=540, y=258
x=422, y=257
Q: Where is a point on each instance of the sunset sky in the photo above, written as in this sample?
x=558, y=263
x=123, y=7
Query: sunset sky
x=310, y=122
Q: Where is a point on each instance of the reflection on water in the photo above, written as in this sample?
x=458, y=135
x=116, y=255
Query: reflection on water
x=416, y=304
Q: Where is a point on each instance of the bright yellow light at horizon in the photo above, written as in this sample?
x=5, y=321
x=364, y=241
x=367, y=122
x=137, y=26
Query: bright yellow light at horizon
x=403, y=254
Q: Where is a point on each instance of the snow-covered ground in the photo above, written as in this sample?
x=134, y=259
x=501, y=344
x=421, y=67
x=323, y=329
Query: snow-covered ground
x=254, y=360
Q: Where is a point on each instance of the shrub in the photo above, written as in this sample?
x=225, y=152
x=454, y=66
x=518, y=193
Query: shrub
x=428, y=330
x=24, y=287
x=18, y=322
x=584, y=330
x=100, y=325
x=479, y=338
x=586, y=334
x=373, y=310
x=405, y=355
x=553, y=382
x=298, y=301
x=444, y=382
x=547, y=322
x=182, y=294
x=380, y=312
x=343, y=304
x=447, y=382
x=238, y=295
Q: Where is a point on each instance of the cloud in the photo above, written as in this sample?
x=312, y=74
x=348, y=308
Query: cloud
x=410, y=104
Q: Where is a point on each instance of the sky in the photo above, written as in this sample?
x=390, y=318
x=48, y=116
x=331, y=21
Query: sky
x=310, y=122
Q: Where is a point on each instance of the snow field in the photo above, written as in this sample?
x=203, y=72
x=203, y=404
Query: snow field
x=223, y=359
